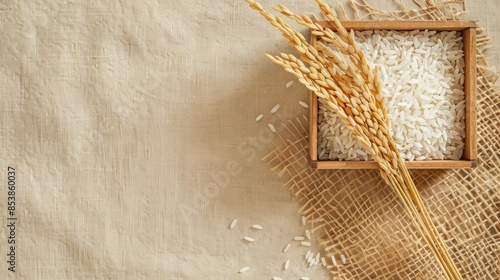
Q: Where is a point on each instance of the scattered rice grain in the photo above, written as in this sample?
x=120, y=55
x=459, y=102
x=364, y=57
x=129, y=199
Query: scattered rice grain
x=334, y=261
x=344, y=261
x=287, y=247
x=244, y=269
x=257, y=227
x=275, y=108
x=308, y=234
x=308, y=254
x=259, y=117
x=271, y=127
x=233, y=223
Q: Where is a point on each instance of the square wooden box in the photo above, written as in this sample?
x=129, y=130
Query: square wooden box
x=468, y=160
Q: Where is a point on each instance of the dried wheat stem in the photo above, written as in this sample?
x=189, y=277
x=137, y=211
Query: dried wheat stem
x=416, y=211
x=417, y=199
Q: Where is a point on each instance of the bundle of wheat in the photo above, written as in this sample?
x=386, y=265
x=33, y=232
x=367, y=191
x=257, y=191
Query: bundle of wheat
x=345, y=82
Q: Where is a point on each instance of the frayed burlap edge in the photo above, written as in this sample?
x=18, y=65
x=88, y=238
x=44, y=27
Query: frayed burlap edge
x=358, y=216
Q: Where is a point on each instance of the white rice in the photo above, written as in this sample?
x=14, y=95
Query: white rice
x=289, y=84
x=233, y=223
x=310, y=261
x=344, y=261
x=249, y=239
x=308, y=234
x=287, y=264
x=304, y=278
x=298, y=238
x=277, y=278
x=304, y=220
x=323, y=261
x=303, y=104
x=334, y=261
x=259, y=117
x=275, y=108
x=244, y=269
x=257, y=227
x=422, y=76
x=308, y=254
x=287, y=247
x=271, y=127
x=305, y=243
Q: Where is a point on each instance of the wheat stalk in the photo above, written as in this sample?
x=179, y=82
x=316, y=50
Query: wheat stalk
x=352, y=90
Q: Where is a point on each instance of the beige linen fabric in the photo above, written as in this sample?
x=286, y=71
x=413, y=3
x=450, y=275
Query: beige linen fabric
x=131, y=125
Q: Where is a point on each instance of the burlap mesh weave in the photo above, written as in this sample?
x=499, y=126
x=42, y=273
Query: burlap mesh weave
x=359, y=216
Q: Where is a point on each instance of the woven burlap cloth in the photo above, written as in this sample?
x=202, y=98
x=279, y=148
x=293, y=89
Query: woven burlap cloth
x=357, y=213
x=131, y=125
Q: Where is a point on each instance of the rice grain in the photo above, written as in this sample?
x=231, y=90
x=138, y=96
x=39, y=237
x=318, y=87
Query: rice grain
x=308, y=234
x=287, y=247
x=344, y=261
x=308, y=254
x=233, y=223
x=244, y=269
x=271, y=127
x=257, y=227
x=334, y=261
x=249, y=239
x=305, y=243
x=275, y=108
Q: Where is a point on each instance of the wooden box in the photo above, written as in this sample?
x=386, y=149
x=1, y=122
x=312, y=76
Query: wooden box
x=468, y=159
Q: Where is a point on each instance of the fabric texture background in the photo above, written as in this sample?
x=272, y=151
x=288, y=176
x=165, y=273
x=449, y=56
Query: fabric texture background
x=132, y=129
